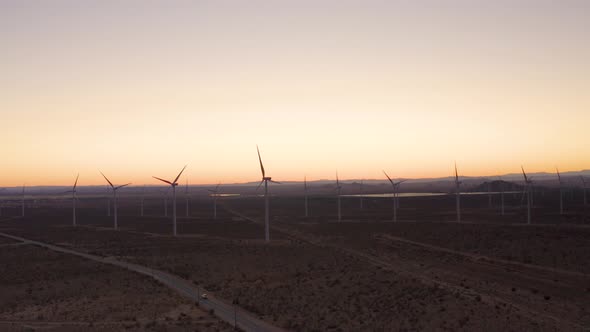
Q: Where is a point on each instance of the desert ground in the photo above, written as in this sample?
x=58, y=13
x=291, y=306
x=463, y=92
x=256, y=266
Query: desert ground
x=425, y=272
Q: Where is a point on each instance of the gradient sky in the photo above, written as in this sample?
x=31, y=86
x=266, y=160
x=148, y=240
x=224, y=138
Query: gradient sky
x=140, y=88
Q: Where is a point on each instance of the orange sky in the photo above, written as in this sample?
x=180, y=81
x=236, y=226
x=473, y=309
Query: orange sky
x=139, y=88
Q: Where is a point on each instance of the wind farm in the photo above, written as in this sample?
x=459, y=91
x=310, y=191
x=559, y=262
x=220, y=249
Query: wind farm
x=348, y=166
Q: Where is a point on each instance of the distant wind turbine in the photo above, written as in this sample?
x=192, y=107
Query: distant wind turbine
x=338, y=192
x=186, y=196
x=395, y=187
x=489, y=194
x=528, y=182
x=584, y=187
x=114, y=188
x=108, y=202
x=173, y=184
x=265, y=180
x=74, y=198
x=560, y=191
x=23, y=203
x=1, y=203
x=142, y=201
x=501, y=195
x=215, y=195
x=305, y=196
x=458, y=193
x=361, y=195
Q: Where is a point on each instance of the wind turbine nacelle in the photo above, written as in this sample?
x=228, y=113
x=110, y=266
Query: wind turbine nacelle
x=267, y=178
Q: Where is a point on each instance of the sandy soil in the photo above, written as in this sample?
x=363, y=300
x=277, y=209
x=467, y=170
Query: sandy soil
x=50, y=291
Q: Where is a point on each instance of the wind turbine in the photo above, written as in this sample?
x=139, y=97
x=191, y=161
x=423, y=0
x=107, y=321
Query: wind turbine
x=305, y=196
x=186, y=198
x=489, y=194
x=73, y=192
x=528, y=182
x=560, y=191
x=115, y=188
x=173, y=184
x=215, y=195
x=339, y=190
x=108, y=202
x=584, y=189
x=142, y=200
x=361, y=195
x=265, y=180
x=501, y=195
x=23, y=203
x=1, y=202
x=395, y=186
x=458, y=193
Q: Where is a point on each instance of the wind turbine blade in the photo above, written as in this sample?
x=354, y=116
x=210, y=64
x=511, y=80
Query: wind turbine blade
x=107, y=180
x=558, y=175
x=277, y=182
x=179, y=174
x=388, y=178
x=76, y=183
x=260, y=160
x=524, y=174
x=337, y=181
x=217, y=187
x=259, y=185
x=125, y=185
x=456, y=173
x=157, y=178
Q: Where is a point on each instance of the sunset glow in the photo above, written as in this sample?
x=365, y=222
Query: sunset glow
x=141, y=88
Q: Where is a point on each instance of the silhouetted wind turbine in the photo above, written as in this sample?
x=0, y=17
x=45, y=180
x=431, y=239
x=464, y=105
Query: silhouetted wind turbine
x=361, y=195
x=584, y=189
x=501, y=195
x=108, y=202
x=1, y=202
x=265, y=180
x=395, y=187
x=215, y=195
x=23, y=203
x=73, y=192
x=142, y=201
x=115, y=188
x=186, y=199
x=458, y=193
x=560, y=191
x=173, y=184
x=305, y=196
x=338, y=192
x=528, y=183
x=489, y=194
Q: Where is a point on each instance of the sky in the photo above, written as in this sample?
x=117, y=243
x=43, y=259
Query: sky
x=137, y=89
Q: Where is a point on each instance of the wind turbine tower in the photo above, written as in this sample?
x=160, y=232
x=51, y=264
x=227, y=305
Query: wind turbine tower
x=584, y=187
x=23, y=203
x=528, y=182
x=305, y=196
x=265, y=180
x=74, y=198
x=395, y=187
x=215, y=195
x=560, y=191
x=186, y=199
x=173, y=184
x=114, y=188
x=338, y=192
x=458, y=193
x=361, y=195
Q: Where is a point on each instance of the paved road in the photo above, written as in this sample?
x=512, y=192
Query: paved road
x=224, y=310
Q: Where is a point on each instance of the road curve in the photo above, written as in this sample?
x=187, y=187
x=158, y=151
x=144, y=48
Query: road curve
x=222, y=309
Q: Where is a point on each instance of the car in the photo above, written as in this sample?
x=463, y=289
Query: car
x=204, y=296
